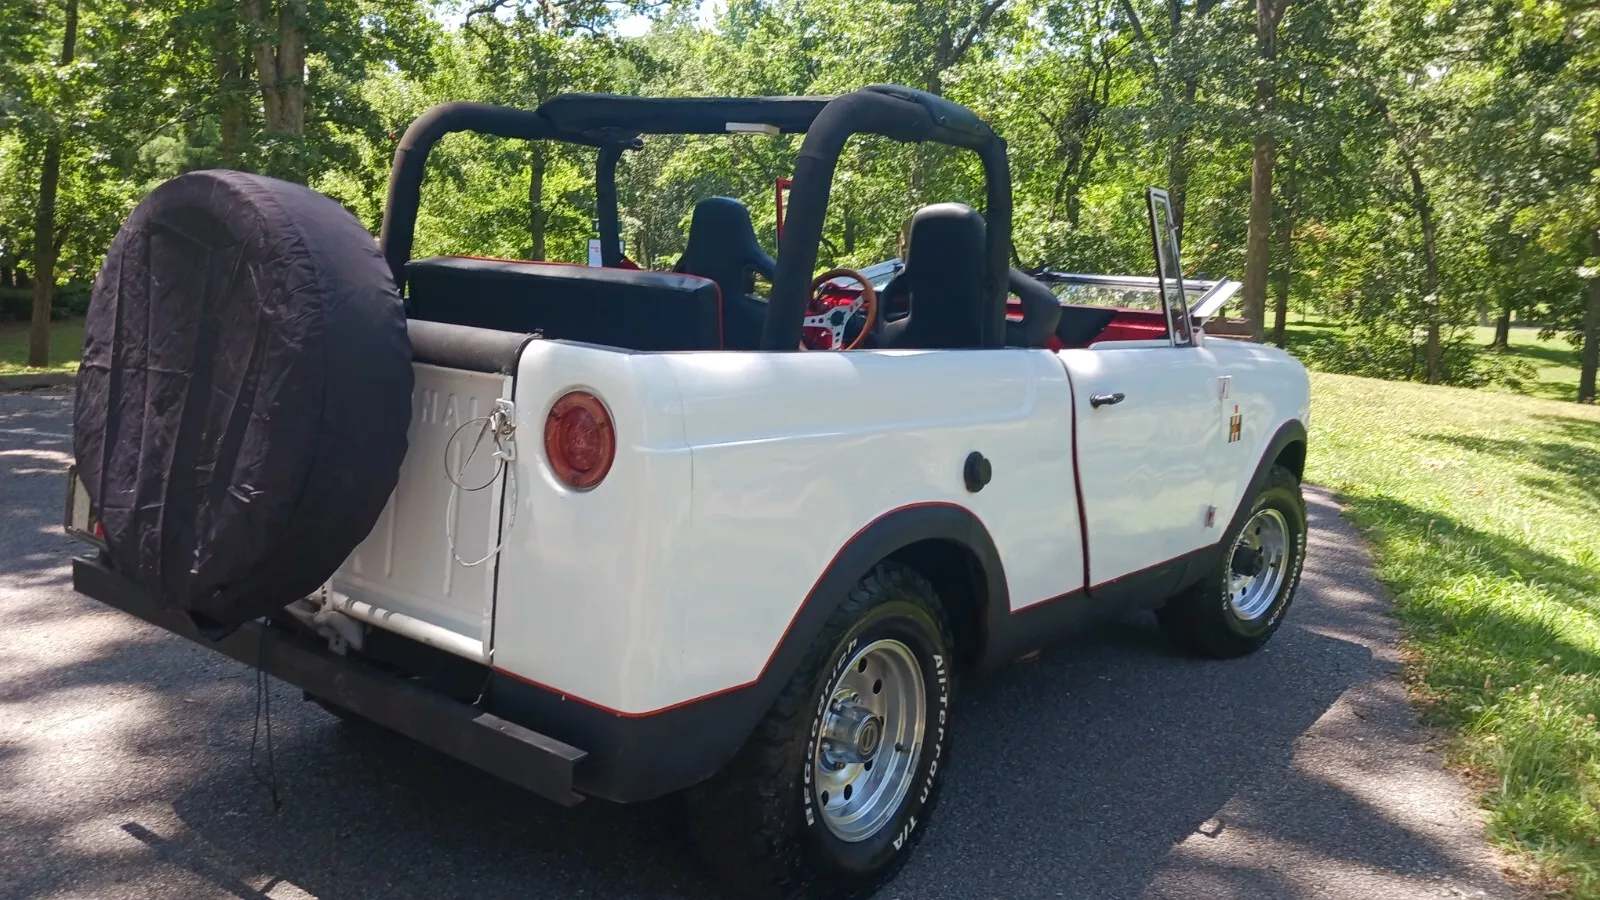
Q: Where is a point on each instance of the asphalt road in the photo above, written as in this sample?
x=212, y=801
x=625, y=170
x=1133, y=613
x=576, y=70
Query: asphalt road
x=1110, y=768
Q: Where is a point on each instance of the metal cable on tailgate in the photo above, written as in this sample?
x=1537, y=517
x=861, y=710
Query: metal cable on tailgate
x=500, y=425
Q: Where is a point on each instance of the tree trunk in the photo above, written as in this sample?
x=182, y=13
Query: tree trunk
x=46, y=243
x=1258, y=234
x=266, y=64
x=292, y=65
x=1483, y=313
x=1590, y=358
x=538, y=215
x=231, y=110
x=1280, y=300
x=1430, y=254
x=1285, y=242
x=1178, y=164
x=279, y=44
x=44, y=255
x=1502, y=328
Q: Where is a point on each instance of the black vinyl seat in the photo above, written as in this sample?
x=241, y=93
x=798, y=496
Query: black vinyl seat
x=722, y=246
x=1041, y=312
x=945, y=258
x=631, y=309
x=1080, y=325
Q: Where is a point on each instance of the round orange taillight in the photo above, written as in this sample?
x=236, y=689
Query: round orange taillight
x=579, y=440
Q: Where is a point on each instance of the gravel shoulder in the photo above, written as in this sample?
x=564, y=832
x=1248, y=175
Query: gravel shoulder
x=1109, y=768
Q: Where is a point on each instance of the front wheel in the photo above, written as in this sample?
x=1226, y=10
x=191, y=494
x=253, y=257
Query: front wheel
x=837, y=783
x=1235, y=608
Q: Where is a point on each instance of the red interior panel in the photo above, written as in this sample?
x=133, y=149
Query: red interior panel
x=1125, y=325
x=1135, y=325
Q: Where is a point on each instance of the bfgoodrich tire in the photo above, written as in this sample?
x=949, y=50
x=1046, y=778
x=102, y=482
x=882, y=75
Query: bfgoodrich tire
x=837, y=784
x=1237, y=606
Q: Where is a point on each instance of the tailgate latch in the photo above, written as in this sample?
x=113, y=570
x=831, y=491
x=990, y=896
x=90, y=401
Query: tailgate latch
x=503, y=423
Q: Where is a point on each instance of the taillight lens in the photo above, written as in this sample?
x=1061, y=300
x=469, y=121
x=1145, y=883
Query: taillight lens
x=579, y=440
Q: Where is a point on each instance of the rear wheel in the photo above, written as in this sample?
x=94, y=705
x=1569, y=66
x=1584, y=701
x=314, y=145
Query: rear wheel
x=1238, y=605
x=837, y=783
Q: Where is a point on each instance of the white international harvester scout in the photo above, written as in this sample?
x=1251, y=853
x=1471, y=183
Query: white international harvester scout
x=616, y=533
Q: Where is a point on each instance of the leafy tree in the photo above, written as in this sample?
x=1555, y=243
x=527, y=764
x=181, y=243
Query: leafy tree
x=1268, y=14
x=46, y=243
x=1400, y=167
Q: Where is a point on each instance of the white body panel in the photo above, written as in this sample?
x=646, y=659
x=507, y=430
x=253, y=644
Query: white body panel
x=1160, y=475
x=1147, y=463
x=406, y=564
x=1269, y=387
x=796, y=453
x=677, y=576
x=740, y=476
x=589, y=584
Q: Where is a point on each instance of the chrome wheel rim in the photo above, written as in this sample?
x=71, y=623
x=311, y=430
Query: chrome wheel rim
x=870, y=740
x=1258, y=564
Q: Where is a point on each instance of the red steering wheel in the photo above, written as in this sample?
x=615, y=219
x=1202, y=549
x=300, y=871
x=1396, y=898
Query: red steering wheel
x=833, y=307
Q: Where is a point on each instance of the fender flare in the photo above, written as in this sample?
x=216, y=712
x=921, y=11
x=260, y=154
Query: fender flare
x=637, y=757
x=1290, y=432
x=880, y=539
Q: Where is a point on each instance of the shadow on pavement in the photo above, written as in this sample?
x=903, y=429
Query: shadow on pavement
x=1072, y=776
x=1075, y=777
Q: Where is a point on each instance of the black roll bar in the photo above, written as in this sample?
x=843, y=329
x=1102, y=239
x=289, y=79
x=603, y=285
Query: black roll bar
x=613, y=125
x=411, y=156
x=605, y=205
x=609, y=122
x=901, y=114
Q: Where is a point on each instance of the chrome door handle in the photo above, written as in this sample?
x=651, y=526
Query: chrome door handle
x=1099, y=400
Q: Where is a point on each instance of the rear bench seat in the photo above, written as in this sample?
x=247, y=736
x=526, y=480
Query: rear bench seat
x=631, y=309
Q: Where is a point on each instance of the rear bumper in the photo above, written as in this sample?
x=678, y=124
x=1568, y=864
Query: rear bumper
x=519, y=755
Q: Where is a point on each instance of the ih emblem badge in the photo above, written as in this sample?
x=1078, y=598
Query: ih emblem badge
x=1233, y=424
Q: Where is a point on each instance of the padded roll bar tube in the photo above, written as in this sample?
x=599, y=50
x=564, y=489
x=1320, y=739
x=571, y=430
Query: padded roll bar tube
x=609, y=122
x=605, y=205
x=997, y=236
x=904, y=115
x=410, y=157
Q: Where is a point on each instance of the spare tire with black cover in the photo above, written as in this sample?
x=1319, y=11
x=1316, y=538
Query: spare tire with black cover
x=244, y=393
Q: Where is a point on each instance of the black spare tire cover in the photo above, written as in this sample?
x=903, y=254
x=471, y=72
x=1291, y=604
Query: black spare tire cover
x=244, y=393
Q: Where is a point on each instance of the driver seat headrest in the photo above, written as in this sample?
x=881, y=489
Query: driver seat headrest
x=945, y=257
x=722, y=246
x=721, y=234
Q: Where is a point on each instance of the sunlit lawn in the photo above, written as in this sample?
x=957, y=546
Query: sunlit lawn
x=1555, y=360
x=66, y=343
x=1484, y=513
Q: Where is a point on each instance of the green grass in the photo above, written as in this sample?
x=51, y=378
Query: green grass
x=1483, y=510
x=66, y=343
x=1555, y=360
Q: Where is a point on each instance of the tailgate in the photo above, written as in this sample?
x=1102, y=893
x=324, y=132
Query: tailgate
x=411, y=573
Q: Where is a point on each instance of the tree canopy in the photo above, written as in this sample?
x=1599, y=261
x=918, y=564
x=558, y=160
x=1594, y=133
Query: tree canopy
x=1403, y=168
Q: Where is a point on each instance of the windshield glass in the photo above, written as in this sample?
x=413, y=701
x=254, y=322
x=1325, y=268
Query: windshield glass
x=1110, y=296
x=1115, y=292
